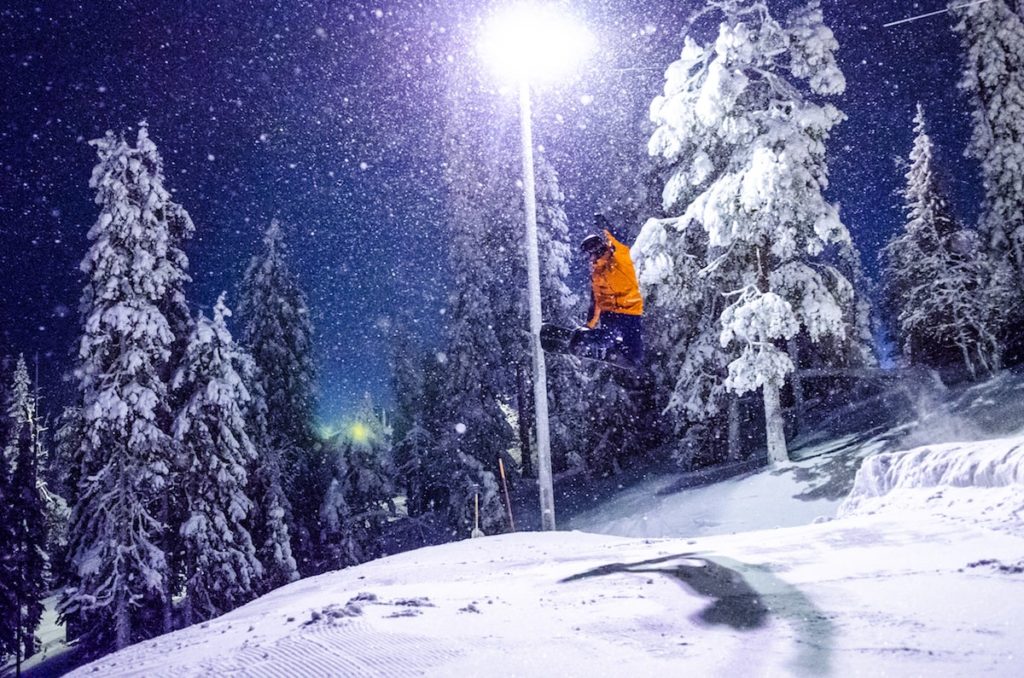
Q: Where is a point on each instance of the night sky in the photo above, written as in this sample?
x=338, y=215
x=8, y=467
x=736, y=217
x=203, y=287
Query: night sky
x=326, y=115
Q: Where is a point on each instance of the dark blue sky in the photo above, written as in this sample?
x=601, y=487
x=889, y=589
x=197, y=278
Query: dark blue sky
x=326, y=115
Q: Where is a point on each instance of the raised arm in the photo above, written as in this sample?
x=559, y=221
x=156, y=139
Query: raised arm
x=616, y=232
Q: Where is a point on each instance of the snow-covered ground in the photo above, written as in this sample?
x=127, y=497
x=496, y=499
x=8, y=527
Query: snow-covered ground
x=904, y=416
x=920, y=571
x=919, y=575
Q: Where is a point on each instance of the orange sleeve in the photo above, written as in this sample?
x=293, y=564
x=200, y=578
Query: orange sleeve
x=614, y=241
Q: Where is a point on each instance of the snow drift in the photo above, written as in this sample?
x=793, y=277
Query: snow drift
x=988, y=464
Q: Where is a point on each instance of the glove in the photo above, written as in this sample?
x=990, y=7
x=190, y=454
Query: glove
x=601, y=222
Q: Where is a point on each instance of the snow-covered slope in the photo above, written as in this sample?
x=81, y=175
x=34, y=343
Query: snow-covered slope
x=921, y=573
x=791, y=495
x=910, y=586
x=908, y=414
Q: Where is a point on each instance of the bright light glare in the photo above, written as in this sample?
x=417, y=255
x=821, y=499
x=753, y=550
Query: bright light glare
x=360, y=432
x=534, y=42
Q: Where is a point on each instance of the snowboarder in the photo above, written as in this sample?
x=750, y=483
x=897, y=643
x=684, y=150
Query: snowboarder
x=613, y=332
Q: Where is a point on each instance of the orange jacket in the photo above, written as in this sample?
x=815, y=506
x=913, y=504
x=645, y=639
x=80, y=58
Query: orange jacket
x=613, y=284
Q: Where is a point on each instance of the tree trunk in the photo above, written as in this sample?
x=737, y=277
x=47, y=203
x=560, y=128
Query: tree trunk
x=525, y=422
x=168, y=597
x=734, y=429
x=798, y=386
x=774, y=425
x=122, y=620
x=187, y=615
x=17, y=635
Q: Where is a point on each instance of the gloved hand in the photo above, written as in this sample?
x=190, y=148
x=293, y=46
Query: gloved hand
x=601, y=223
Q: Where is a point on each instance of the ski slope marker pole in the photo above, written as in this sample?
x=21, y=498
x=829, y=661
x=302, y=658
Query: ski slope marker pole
x=477, y=532
x=508, y=502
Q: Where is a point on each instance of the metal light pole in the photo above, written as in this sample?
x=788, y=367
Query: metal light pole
x=540, y=379
x=532, y=43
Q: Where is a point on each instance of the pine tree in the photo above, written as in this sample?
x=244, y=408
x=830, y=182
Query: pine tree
x=67, y=442
x=221, y=570
x=484, y=338
x=120, y=570
x=18, y=412
x=469, y=423
x=407, y=362
x=340, y=547
x=364, y=480
x=278, y=334
x=23, y=525
x=992, y=34
x=413, y=445
x=268, y=523
x=688, y=362
x=413, y=454
x=174, y=307
x=746, y=147
x=441, y=477
x=938, y=287
x=8, y=564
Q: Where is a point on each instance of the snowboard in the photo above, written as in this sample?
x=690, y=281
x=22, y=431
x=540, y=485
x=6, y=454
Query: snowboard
x=556, y=339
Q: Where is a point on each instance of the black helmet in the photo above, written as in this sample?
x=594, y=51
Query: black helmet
x=592, y=244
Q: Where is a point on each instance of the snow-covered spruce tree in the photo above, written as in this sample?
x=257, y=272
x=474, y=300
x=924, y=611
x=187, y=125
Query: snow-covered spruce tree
x=20, y=408
x=268, y=522
x=858, y=350
x=439, y=478
x=938, y=286
x=413, y=456
x=364, y=474
x=338, y=544
x=23, y=533
x=688, y=363
x=120, y=570
x=413, y=444
x=467, y=421
x=469, y=424
x=992, y=34
x=8, y=564
x=221, y=569
x=741, y=126
x=67, y=441
x=496, y=214
x=24, y=411
x=64, y=479
x=278, y=334
x=407, y=362
x=174, y=307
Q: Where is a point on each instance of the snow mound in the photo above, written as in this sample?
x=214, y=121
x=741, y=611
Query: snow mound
x=989, y=464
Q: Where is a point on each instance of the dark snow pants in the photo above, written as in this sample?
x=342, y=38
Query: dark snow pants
x=617, y=332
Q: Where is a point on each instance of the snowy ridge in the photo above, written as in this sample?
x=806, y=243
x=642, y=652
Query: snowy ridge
x=988, y=464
